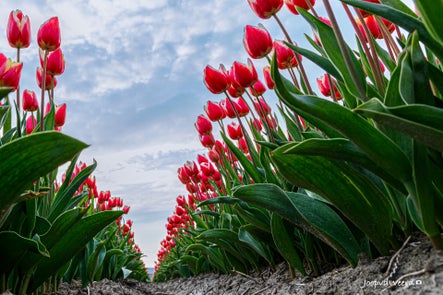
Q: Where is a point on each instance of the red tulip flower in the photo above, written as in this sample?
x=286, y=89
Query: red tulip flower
x=234, y=131
x=242, y=107
x=213, y=155
x=285, y=55
x=60, y=115
x=257, y=89
x=257, y=41
x=214, y=111
x=216, y=80
x=18, y=30
x=243, y=75
x=30, y=102
x=235, y=91
x=261, y=107
x=10, y=72
x=268, y=79
x=265, y=8
x=48, y=35
x=293, y=4
x=55, y=64
x=203, y=125
x=31, y=122
x=324, y=85
x=227, y=107
x=48, y=81
x=207, y=140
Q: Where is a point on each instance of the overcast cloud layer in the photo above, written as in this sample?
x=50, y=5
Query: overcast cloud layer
x=133, y=86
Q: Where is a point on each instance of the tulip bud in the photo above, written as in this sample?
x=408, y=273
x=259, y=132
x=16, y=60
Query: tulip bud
x=265, y=8
x=261, y=107
x=10, y=72
x=234, y=131
x=203, y=125
x=257, y=89
x=214, y=111
x=30, y=102
x=324, y=85
x=207, y=140
x=48, y=35
x=18, y=30
x=268, y=79
x=50, y=81
x=243, y=75
x=60, y=115
x=55, y=64
x=31, y=122
x=216, y=81
x=285, y=55
x=257, y=41
x=243, y=108
x=293, y=4
x=227, y=107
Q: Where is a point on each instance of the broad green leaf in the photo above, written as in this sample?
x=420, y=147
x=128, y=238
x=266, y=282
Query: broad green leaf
x=430, y=13
x=24, y=160
x=71, y=243
x=319, y=60
x=422, y=88
x=357, y=129
x=258, y=246
x=4, y=91
x=64, y=197
x=423, y=192
x=351, y=192
x=340, y=149
x=245, y=162
x=215, y=256
x=13, y=246
x=95, y=260
x=422, y=122
x=271, y=197
x=284, y=241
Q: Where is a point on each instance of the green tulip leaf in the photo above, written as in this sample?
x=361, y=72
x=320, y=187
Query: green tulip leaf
x=24, y=160
x=351, y=192
x=378, y=147
x=305, y=212
x=422, y=122
x=70, y=243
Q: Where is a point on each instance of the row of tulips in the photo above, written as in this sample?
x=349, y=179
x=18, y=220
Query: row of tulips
x=51, y=231
x=316, y=179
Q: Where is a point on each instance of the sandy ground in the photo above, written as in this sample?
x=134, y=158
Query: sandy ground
x=416, y=269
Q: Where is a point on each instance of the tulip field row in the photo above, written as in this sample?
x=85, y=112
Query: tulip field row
x=52, y=231
x=317, y=178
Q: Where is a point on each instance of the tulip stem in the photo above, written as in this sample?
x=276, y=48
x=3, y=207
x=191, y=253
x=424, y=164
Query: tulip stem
x=299, y=63
x=19, y=130
x=245, y=134
x=344, y=51
x=42, y=105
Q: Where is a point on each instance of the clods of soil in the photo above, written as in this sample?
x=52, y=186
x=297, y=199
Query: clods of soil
x=415, y=269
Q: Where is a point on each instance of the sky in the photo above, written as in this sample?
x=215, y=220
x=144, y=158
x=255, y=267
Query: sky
x=134, y=87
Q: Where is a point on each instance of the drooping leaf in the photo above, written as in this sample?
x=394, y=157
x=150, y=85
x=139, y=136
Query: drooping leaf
x=71, y=243
x=422, y=122
x=284, y=242
x=35, y=155
x=351, y=192
x=304, y=214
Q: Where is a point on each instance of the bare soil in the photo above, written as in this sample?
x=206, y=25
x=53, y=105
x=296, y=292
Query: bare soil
x=415, y=269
